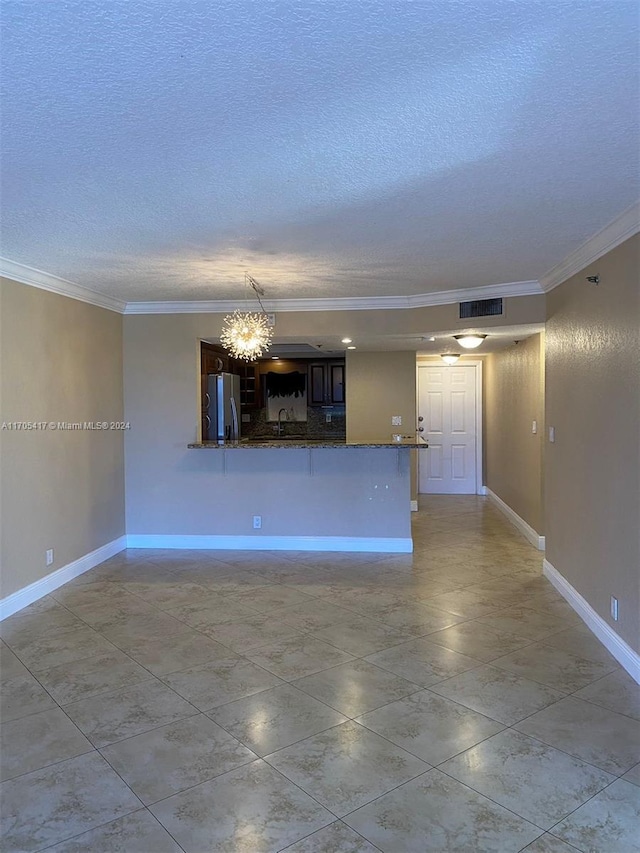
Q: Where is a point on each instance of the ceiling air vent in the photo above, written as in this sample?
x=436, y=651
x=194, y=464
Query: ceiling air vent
x=480, y=308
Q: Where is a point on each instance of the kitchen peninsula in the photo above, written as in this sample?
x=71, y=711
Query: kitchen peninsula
x=305, y=443
x=344, y=497
x=306, y=496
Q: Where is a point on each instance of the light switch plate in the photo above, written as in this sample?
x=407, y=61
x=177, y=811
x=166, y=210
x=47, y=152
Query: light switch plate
x=396, y=420
x=552, y=434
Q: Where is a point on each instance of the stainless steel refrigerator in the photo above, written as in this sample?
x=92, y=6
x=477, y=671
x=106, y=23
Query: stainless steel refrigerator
x=223, y=407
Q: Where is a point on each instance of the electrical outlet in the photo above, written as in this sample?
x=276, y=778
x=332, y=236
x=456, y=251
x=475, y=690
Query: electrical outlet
x=327, y=418
x=614, y=608
x=49, y=556
x=257, y=522
x=396, y=420
x=534, y=427
x=245, y=418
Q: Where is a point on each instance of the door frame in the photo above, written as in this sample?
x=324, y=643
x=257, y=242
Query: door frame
x=436, y=361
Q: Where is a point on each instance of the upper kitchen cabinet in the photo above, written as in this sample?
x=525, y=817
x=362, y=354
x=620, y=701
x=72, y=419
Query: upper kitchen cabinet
x=326, y=383
x=250, y=396
x=213, y=359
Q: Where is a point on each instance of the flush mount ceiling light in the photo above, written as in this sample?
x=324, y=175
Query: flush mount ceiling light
x=346, y=341
x=450, y=357
x=247, y=334
x=470, y=341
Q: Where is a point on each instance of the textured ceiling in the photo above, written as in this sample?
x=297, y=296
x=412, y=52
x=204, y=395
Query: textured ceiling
x=156, y=149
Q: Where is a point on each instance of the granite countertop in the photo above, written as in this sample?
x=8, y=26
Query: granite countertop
x=244, y=444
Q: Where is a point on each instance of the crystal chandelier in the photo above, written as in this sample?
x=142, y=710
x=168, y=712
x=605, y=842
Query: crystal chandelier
x=247, y=334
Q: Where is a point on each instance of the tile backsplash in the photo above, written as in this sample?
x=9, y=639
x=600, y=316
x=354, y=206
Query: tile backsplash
x=315, y=426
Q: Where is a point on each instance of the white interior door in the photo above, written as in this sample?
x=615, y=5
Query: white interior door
x=447, y=403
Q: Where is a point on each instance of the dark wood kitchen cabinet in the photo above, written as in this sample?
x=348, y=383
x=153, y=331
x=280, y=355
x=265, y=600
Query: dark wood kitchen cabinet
x=249, y=372
x=213, y=359
x=326, y=383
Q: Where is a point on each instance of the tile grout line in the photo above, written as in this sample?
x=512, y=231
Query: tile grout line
x=373, y=620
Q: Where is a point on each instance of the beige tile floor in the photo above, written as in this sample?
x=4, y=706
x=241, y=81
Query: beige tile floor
x=262, y=701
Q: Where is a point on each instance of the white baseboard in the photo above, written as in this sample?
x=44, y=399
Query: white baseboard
x=621, y=651
x=414, y=506
x=15, y=602
x=274, y=543
x=12, y=603
x=527, y=531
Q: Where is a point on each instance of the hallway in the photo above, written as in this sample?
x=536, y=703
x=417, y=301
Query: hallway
x=448, y=700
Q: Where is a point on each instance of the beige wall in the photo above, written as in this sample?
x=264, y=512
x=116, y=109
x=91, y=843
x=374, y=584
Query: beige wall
x=161, y=388
x=592, y=502
x=173, y=490
x=379, y=385
x=513, y=455
x=61, y=360
x=334, y=325
x=410, y=321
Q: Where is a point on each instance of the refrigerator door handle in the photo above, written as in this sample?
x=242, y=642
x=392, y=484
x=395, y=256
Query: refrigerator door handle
x=234, y=415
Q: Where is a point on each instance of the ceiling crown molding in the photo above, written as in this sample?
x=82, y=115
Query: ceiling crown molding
x=55, y=284
x=623, y=227
x=47, y=281
x=354, y=303
x=616, y=232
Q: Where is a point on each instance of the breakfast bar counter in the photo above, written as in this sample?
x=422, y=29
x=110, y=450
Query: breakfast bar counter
x=281, y=494
x=306, y=444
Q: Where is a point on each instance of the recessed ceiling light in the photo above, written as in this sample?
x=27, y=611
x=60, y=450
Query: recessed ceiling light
x=346, y=340
x=432, y=338
x=470, y=341
x=275, y=357
x=350, y=347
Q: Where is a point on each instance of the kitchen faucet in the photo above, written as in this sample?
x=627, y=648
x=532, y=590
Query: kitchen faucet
x=286, y=416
